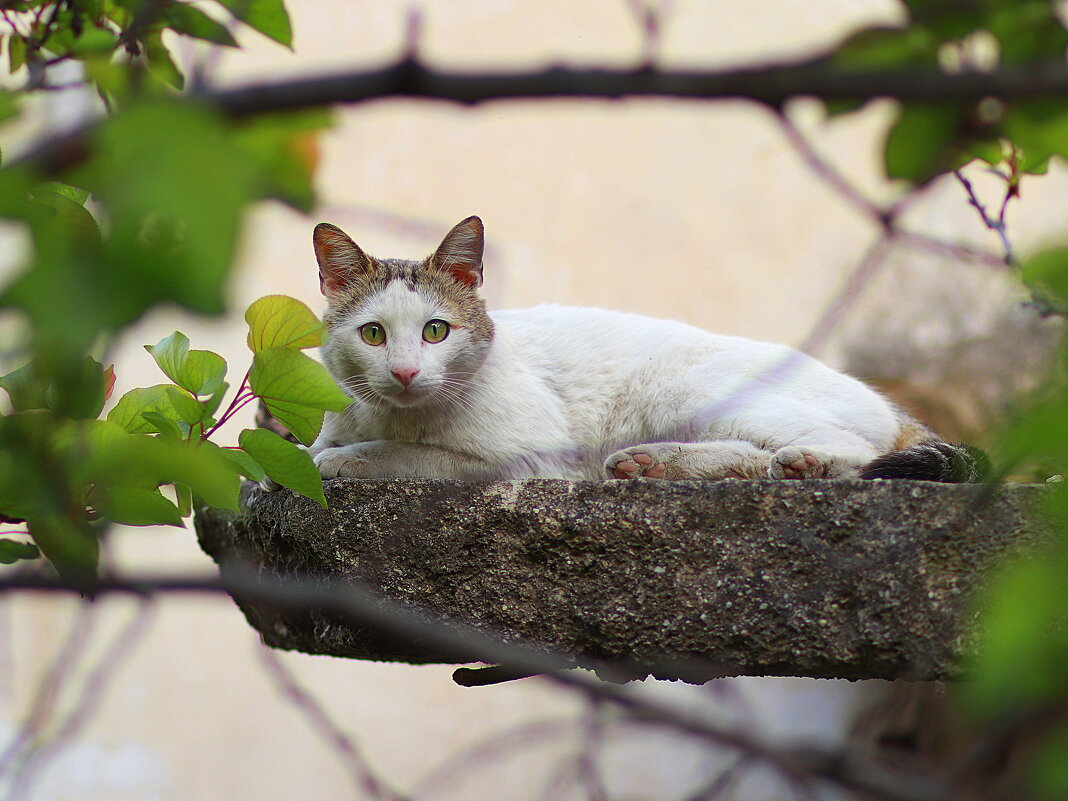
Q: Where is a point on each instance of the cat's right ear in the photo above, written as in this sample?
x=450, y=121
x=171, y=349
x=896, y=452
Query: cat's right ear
x=340, y=259
x=460, y=252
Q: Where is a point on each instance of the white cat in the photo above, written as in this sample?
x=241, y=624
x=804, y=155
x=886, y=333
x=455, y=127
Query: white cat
x=441, y=389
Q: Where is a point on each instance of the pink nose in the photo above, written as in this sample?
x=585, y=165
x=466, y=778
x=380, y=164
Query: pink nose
x=405, y=375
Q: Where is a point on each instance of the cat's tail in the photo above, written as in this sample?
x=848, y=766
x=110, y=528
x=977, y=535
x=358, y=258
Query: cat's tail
x=931, y=460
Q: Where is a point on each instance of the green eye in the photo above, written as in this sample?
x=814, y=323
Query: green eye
x=373, y=333
x=435, y=331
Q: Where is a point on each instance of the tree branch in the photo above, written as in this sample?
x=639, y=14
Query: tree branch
x=768, y=84
x=772, y=85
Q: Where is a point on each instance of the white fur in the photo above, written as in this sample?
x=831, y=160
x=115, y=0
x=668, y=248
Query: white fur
x=560, y=390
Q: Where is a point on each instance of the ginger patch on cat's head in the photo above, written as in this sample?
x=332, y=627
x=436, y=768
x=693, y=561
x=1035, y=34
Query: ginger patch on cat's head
x=451, y=275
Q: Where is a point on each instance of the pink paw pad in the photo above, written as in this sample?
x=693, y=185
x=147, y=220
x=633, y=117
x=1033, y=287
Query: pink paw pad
x=639, y=465
x=807, y=466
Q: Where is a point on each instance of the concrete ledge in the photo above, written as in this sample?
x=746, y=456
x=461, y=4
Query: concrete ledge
x=689, y=580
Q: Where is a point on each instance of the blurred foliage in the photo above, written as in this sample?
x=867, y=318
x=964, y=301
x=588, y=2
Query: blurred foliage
x=1025, y=617
x=957, y=36
x=152, y=215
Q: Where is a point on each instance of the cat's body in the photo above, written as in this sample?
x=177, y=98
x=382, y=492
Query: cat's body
x=579, y=393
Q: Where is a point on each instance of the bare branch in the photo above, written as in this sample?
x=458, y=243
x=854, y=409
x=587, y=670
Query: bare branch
x=995, y=224
x=830, y=176
x=492, y=749
x=854, y=286
x=717, y=788
x=363, y=777
x=48, y=690
x=953, y=250
x=593, y=739
x=91, y=694
x=771, y=85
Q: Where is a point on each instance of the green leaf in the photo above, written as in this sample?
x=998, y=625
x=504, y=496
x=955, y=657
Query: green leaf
x=283, y=461
x=211, y=405
x=285, y=148
x=166, y=242
x=190, y=410
x=1022, y=625
x=886, y=48
x=191, y=21
x=279, y=321
x=269, y=17
x=170, y=241
x=992, y=151
x=163, y=424
x=74, y=389
x=160, y=61
x=34, y=481
x=1047, y=271
x=303, y=422
x=12, y=551
x=296, y=390
x=8, y=106
x=128, y=412
x=25, y=388
x=1040, y=127
x=950, y=19
x=94, y=41
x=920, y=145
x=248, y=466
x=1027, y=32
x=67, y=211
x=185, y=499
x=120, y=459
x=1051, y=763
x=73, y=193
x=199, y=371
x=72, y=548
x=16, y=52
x=137, y=506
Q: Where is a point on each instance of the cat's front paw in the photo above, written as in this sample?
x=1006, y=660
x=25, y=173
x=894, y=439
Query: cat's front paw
x=797, y=462
x=343, y=462
x=640, y=461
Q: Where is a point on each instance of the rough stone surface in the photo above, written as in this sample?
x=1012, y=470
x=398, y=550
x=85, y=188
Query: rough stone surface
x=685, y=580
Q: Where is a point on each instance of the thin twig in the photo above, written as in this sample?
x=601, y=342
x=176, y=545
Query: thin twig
x=651, y=22
x=963, y=253
x=716, y=788
x=997, y=225
x=490, y=750
x=830, y=176
x=91, y=695
x=593, y=739
x=360, y=771
x=854, y=287
x=50, y=686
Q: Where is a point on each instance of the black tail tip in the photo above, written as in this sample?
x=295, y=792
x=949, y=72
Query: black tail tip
x=932, y=461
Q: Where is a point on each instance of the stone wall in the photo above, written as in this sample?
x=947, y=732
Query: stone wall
x=689, y=580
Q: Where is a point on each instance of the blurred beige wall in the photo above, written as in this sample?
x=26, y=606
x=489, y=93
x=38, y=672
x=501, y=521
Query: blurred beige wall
x=694, y=211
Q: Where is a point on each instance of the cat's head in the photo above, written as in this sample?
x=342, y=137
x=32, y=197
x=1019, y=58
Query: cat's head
x=404, y=333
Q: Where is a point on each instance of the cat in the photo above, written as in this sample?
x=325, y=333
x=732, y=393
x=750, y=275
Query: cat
x=443, y=389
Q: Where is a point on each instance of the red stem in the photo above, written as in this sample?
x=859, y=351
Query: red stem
x=240, y=400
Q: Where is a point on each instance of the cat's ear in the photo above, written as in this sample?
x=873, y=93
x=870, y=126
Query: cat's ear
x=340, y=259
x=460, y=252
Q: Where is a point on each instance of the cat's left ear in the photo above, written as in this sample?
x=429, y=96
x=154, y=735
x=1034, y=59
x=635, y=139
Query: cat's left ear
x=460, y=252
